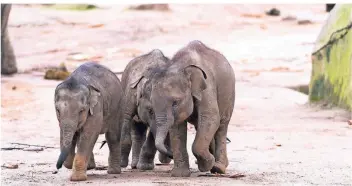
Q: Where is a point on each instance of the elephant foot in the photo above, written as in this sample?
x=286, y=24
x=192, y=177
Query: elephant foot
x=76, y=176
x=145, y=165
x=114, y=170
x=68, y=165
x=163, y=158
x=218, y=168
x=181, y=172
x=134, y=163
x=91, y=165
x=205, y=165
x=69, y=161
x=124, y=162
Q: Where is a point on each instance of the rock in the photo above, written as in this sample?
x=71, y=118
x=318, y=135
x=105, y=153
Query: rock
x=273, y=12
x=331, y=79
x=56, y=74
x=158, y=7
x=304, y=22
x=59, y=73
x=289, y=18
x=10, y=166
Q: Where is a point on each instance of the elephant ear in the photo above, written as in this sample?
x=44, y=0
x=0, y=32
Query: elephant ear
x=197, y=78
x=135, y=81
x=93, y=98
x=140, y=89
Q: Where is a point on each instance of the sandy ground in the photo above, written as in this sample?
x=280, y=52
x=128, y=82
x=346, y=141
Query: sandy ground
x=277, y=137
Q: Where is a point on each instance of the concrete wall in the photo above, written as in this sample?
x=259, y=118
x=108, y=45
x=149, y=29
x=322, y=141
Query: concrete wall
x=331, y=79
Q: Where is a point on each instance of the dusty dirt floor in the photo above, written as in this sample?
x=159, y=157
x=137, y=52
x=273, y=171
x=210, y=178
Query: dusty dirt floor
x=277, y=137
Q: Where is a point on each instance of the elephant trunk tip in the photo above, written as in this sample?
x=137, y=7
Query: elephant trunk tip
x=161, y=148
x=62, y=158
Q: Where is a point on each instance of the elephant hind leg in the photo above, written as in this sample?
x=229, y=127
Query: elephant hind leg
x=91, y=163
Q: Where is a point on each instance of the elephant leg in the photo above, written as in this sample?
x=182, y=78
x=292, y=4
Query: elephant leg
x=221, y=160
x=8, y=59
x=208, y=124
x=147, y=154
x=178, y=134
x=113, y=140
x=91, y=163
x=69, y=160
x=126, y=143
x=85, y=147
x=211, y=149
x=139, y=131
x=164, y=158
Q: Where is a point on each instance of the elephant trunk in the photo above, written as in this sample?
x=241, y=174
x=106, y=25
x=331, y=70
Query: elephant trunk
x=163, y=123
x=66, y=137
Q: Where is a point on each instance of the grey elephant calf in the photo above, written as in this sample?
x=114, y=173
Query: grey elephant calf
x=87, y=104
x=198, y=86
x=136, y=73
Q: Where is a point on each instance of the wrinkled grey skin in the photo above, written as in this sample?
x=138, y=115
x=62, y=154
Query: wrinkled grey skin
x=135, y=75
x=87, y=104
x=198, y=87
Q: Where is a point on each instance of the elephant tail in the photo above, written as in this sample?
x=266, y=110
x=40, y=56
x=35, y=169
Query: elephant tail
x=228, y=140
x=102, y=144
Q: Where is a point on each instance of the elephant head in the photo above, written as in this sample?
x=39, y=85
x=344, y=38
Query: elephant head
x=74, y=103
x=172, y=95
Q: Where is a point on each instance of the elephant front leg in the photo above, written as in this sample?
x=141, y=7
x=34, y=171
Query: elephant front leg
x=178, y=134
x=69, y=160
x=221, y=160
x=138, y=138
x=208, y=125
x=85, y=147
x=113, y=139
x=147, y=154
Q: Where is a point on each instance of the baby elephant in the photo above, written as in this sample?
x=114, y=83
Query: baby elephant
x=87, y=104
x=198, y=86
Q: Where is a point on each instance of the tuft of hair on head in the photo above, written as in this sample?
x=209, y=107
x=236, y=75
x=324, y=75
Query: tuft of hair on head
x=157, y=52
x=70, y=83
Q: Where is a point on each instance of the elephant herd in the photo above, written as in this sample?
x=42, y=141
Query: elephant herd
x=148, y=111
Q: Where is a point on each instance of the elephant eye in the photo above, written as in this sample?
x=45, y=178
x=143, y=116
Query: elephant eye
x=151, y=112
x=57, y=111
x=175, y=103
x=81, y=111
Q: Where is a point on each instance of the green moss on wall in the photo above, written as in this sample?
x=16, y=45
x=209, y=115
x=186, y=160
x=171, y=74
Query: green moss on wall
x=331, y=79
x=77, y=7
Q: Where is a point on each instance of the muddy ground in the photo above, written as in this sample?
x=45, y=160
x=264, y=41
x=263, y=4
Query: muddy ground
x=277, y=137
